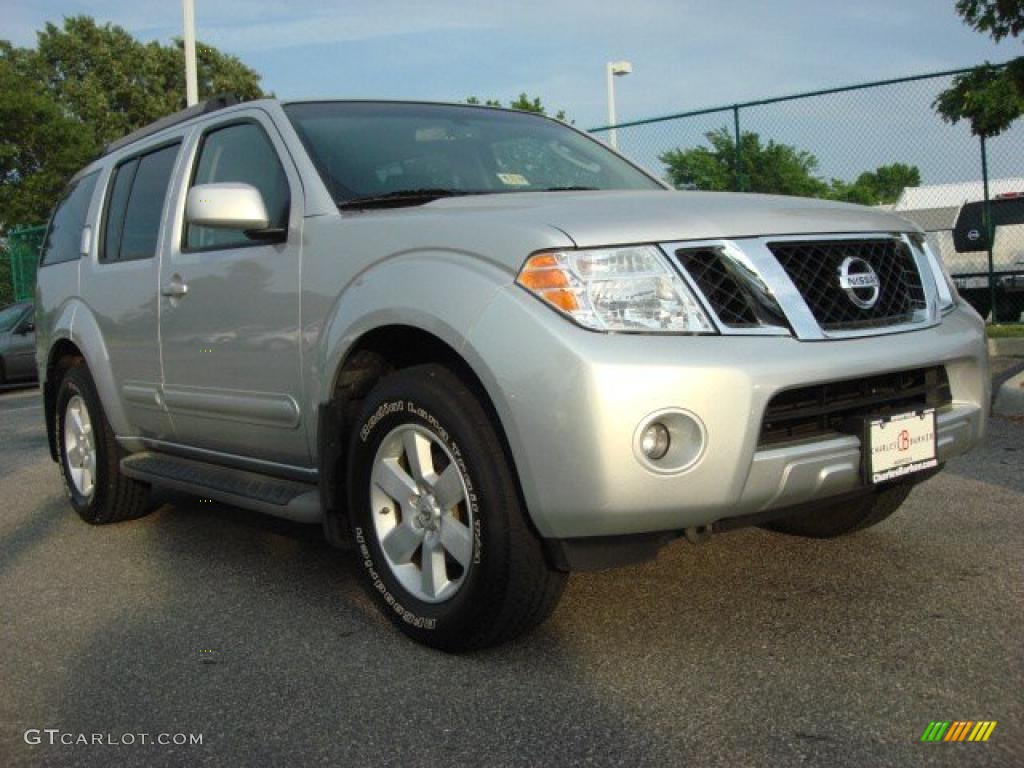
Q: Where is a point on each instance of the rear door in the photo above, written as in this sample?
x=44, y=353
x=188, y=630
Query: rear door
x=230, y=343
x=120, y=284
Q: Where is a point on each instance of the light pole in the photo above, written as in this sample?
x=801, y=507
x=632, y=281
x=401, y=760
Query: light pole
x=614, y=69
x=191, y=88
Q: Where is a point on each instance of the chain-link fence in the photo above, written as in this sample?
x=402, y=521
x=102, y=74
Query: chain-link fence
x=877, y=143
x=21, y=254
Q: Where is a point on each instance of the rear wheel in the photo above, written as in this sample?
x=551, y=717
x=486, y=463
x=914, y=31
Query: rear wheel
x=845, y=517
x=90, y=458
x=446, y=549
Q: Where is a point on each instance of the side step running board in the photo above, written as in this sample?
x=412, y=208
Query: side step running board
x=273, y=496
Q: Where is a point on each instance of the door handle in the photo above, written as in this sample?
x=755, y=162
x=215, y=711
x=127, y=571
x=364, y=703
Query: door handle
x=175, y=289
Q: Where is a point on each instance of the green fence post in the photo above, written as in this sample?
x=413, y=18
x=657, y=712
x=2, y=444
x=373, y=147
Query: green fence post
x=23, y=248
x=989, y=229
x=738, y=151
x=12, y=257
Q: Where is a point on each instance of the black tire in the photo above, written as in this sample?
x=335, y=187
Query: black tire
x=509, y=588
x=3, y=374
x=845, y=517
x=114, y=497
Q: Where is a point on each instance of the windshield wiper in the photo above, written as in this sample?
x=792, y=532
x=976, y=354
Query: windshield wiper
x=570, y=189
x=402, y=197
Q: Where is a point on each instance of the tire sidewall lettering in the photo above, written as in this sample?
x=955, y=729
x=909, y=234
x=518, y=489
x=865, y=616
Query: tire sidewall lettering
x=386, y=416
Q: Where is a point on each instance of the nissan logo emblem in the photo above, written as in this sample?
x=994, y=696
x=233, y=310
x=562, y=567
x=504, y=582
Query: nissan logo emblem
x=859, y=281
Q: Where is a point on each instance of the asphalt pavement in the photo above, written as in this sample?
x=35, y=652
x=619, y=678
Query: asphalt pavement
x=755, y=649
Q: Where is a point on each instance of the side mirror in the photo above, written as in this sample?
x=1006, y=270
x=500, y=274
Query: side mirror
x=226, y=205
x=26, y=328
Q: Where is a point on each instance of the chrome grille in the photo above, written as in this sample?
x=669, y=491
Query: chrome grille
x=814, y=268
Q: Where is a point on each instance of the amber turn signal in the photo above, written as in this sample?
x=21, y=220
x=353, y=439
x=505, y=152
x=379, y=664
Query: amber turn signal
x=544, y=276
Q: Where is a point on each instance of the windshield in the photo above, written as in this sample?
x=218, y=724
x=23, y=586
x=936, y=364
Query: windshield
x=10, y=316
x=370, y=150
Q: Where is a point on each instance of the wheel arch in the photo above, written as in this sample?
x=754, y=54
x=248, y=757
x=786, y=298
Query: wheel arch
x=76, y=337
x=376, y=353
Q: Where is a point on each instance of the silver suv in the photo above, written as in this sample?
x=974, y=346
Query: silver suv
x=483, y=350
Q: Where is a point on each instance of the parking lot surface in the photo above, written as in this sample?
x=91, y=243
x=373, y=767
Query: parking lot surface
x=754, y=649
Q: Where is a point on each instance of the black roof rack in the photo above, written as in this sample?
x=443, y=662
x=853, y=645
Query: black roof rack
x=212, y=104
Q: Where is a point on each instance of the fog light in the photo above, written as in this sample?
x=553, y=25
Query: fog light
x=669, y=441
x=655, y=441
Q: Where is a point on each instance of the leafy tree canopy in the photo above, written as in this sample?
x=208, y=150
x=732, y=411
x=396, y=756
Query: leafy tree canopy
x=998, y=18
x=990, y=98
x=82, y=86
x=523, y=103
x=779, y=169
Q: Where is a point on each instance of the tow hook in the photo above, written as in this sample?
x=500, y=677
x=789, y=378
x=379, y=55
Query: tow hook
x=698, y=534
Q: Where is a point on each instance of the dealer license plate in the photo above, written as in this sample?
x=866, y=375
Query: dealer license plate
x=900, y=445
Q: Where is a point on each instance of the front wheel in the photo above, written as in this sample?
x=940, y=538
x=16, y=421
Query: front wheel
x=446, y=549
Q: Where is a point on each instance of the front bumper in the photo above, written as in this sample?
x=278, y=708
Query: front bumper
x=570, y=402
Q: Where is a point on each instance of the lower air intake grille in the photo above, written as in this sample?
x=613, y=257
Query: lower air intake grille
x=814, y=267
x=825, y=409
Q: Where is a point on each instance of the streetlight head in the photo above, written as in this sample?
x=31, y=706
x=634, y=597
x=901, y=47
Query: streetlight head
x=620, y=68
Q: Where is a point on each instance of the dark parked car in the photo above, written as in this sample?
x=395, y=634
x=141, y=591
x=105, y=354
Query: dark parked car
x=17, y=343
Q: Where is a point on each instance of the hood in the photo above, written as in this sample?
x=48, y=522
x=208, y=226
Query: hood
x=620, y=217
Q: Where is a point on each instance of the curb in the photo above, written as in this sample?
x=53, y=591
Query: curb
x=1006, y=347
x=1010, y=398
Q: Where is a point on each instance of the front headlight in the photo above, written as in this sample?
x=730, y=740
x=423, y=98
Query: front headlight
x=615, y=289
x=948, y=296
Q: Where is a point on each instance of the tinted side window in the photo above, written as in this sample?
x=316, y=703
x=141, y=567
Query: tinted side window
x=240, y=152
x=64, y=237
x=136, y=205
x=113, y=225
x=146, y=204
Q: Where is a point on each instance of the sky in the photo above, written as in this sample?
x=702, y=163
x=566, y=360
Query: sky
x=686, y=55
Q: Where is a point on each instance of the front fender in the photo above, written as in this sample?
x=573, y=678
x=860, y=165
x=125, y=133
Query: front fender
x=442, y=293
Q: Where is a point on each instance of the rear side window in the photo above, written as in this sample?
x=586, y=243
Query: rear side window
x=136, y=205
x=240, y=152
x=64, y=237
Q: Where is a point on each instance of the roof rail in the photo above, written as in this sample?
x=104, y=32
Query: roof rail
x=220, y=101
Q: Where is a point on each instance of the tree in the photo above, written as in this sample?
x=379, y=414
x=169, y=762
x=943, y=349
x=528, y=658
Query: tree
x=83, y=86
x=990, y=98
x=772, y=168
x=40, y=146
x=883, y=185
x=778, y=169
x=998, y=18
x=524, y=104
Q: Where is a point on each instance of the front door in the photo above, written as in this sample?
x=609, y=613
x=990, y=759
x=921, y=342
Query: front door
x=229, y=321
